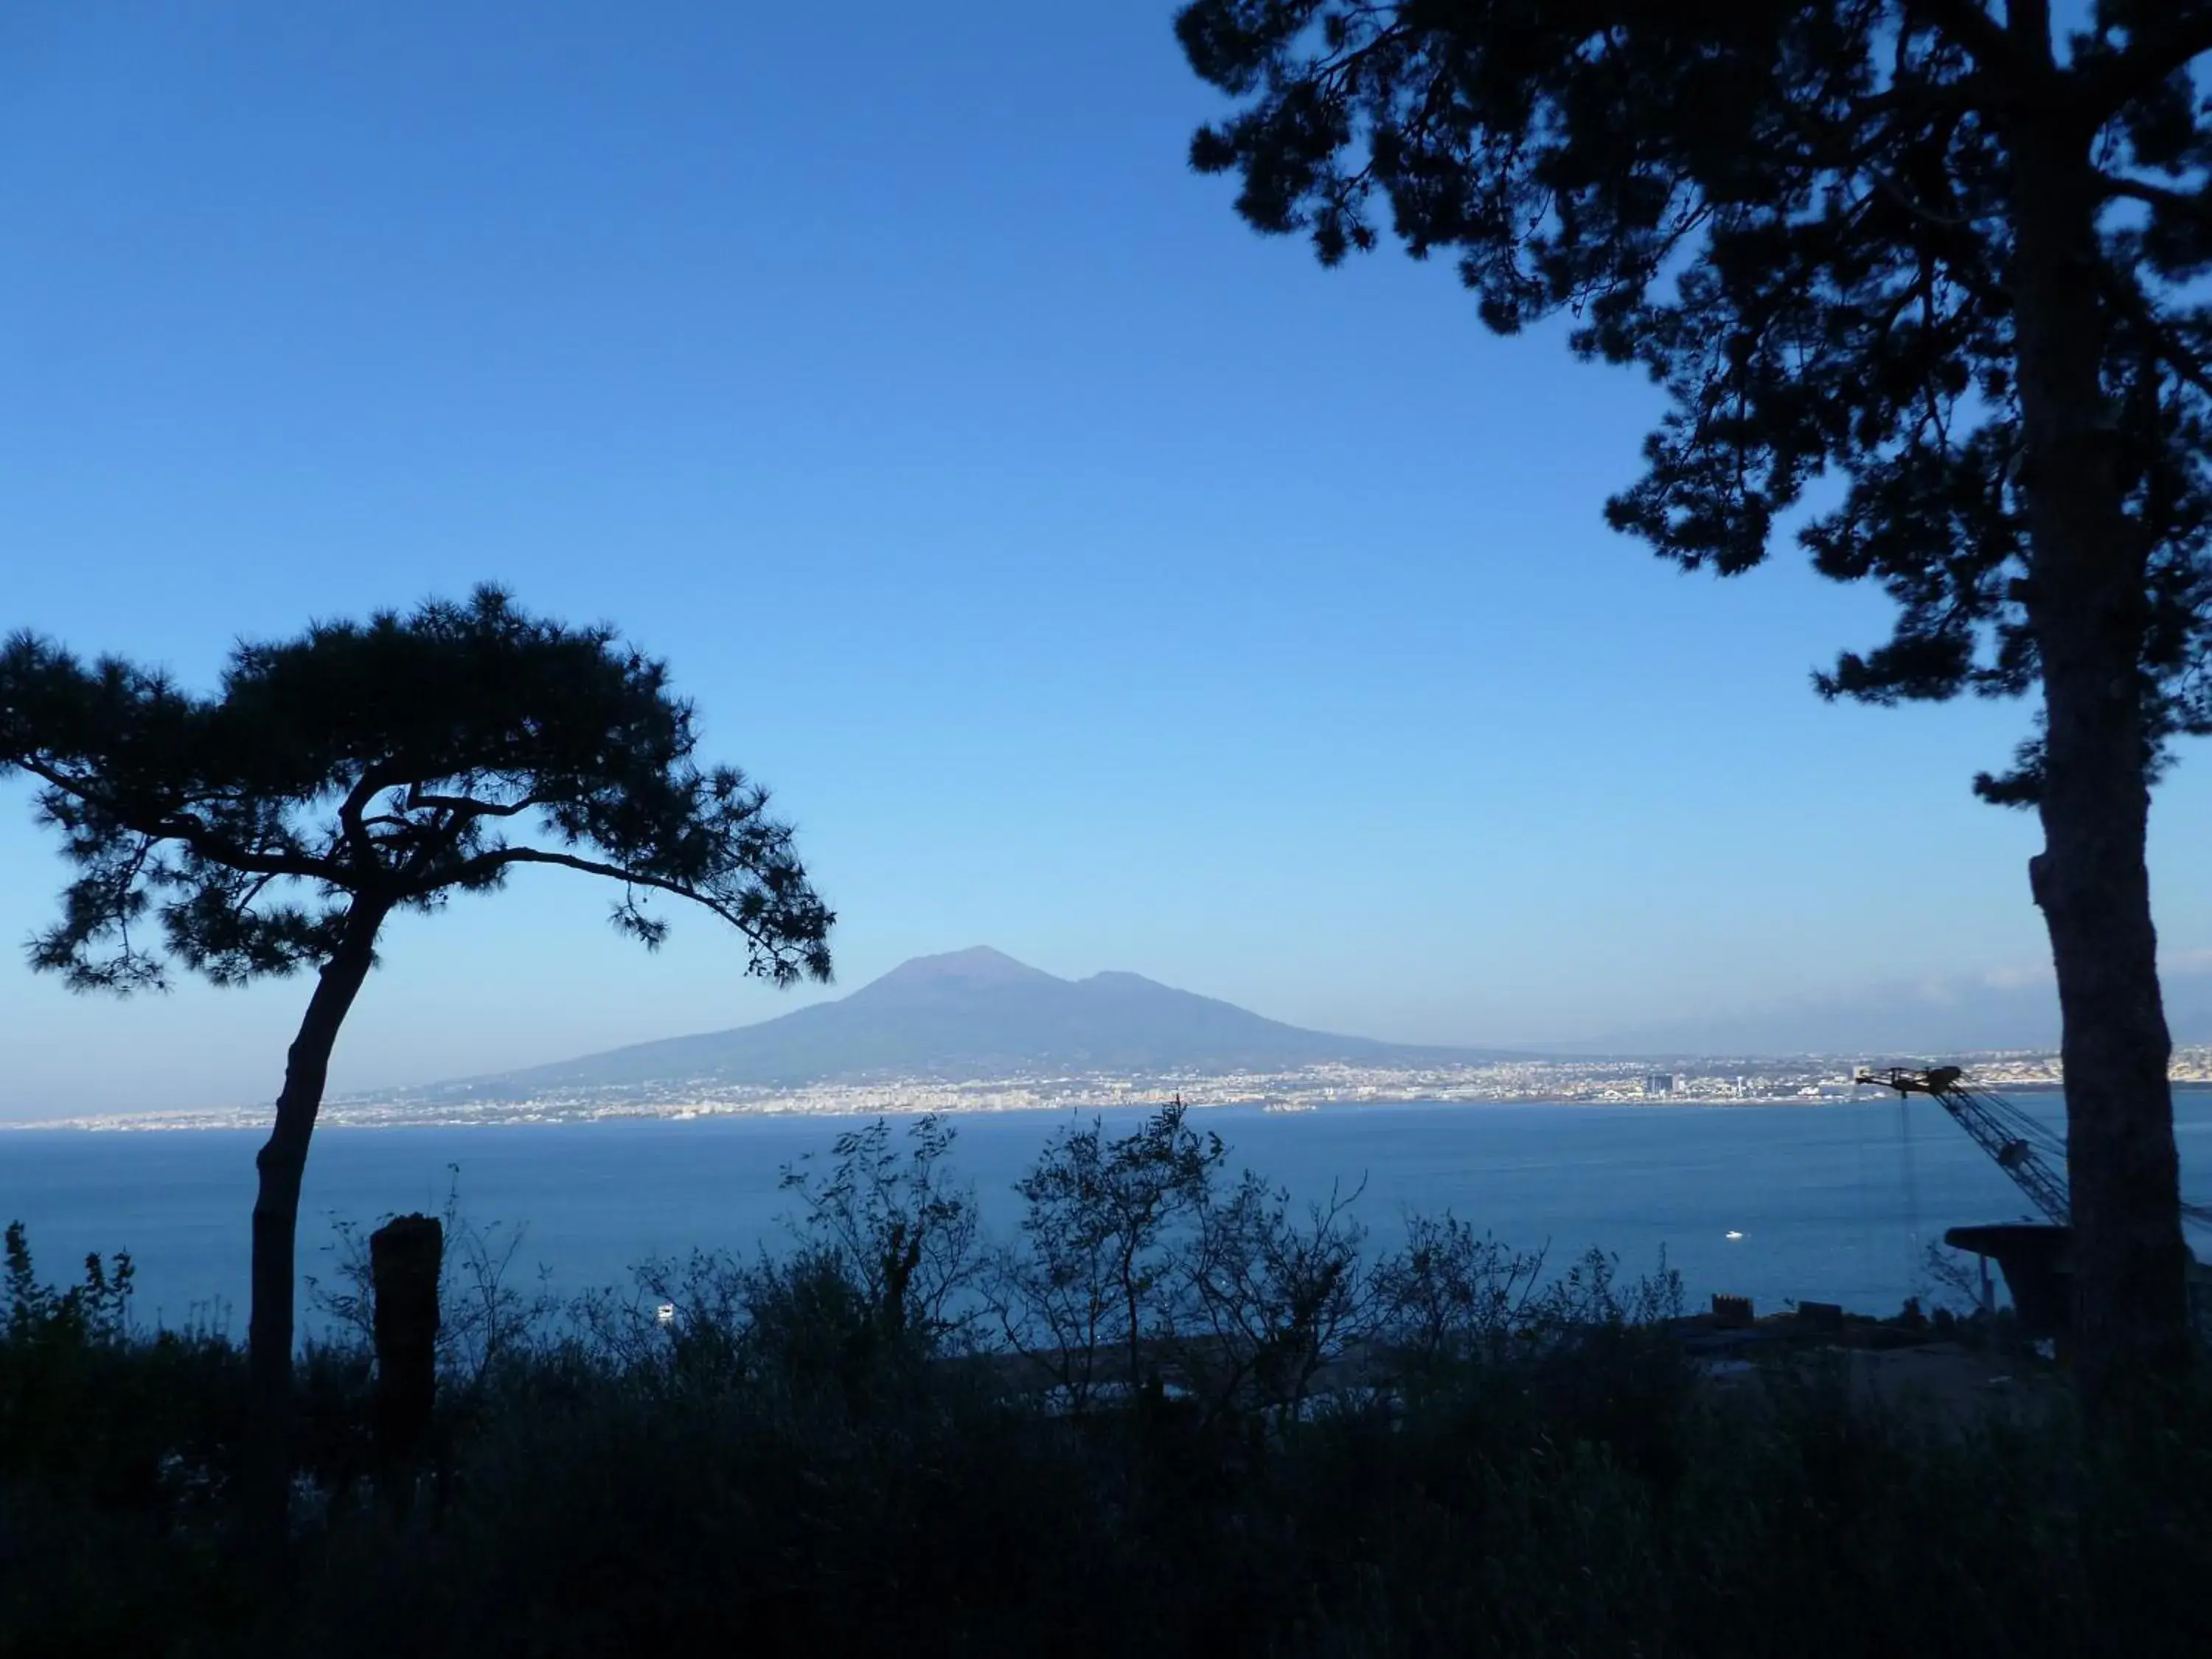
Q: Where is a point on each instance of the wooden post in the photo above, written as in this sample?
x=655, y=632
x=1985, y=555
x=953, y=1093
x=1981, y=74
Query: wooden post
x=403, y=1258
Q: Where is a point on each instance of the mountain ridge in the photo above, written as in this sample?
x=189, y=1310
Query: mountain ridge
x=963, y=1015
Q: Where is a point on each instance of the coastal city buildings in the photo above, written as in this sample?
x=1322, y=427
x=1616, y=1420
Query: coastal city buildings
x=1805, y=1080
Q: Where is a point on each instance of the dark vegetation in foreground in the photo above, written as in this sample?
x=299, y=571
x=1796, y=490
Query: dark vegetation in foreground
x=1174, y=1415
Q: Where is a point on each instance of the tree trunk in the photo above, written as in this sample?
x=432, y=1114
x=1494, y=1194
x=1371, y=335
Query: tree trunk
x=282, y=1162
x=405, y=1255
x=2087, y=605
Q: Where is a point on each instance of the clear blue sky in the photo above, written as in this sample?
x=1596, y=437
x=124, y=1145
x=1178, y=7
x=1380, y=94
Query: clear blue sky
x=1089, y=577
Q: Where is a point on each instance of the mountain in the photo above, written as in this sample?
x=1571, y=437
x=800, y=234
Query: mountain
x=975, y=1013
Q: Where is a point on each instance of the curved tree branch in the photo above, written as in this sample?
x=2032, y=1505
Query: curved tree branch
x=1981, y=35
x=477, y=868
x=2194, y=204
x=181, y=826
x=2148, y=63
x=469, y=806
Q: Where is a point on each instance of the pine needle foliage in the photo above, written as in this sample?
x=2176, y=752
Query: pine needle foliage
x=1800, y=220
x=392, y=764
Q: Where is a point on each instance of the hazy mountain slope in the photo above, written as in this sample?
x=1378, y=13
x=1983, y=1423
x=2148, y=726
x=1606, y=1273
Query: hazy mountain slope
x=972, y=1013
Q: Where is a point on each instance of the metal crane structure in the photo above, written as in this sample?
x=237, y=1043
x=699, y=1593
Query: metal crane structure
x=2029, y=1152
x=2023, y=1149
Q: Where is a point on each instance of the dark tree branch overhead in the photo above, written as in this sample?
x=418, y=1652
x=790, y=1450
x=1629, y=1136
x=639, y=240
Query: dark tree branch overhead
x=447, y=721
x=2194, y=204
x=1801, y=171
x=358, y=770
x=155, y=827
x=2169, y=36
x=760, y=922
x=1874, y=242
x=1970, y=24
x=470, y=805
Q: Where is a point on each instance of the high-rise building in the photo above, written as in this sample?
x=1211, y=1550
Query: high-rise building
x=1658, y=1086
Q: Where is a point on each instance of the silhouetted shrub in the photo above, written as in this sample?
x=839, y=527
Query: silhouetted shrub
x=1220, y=1428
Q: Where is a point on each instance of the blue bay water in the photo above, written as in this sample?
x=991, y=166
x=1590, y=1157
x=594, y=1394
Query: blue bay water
x=1834, y=1202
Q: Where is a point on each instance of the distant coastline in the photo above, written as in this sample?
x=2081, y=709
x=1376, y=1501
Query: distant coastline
x=975, y=1032
x=1804, y=1081
x=522, y=1115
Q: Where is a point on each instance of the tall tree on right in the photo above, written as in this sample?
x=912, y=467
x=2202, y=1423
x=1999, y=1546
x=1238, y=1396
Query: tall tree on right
x=1947, y=254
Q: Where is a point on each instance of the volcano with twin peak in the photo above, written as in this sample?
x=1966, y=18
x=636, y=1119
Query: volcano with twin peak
x=976, y=1014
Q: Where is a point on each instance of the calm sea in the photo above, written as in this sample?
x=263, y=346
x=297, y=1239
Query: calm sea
x=1833, y=1203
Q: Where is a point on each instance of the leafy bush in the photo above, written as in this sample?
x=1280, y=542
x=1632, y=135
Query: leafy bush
x=1197, y=1418
x=484, y=1317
